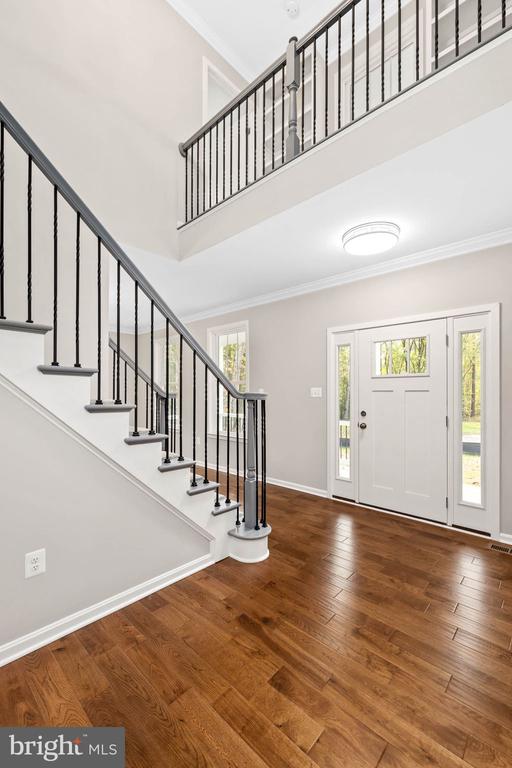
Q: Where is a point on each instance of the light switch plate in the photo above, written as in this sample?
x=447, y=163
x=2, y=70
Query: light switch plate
x=316, y=392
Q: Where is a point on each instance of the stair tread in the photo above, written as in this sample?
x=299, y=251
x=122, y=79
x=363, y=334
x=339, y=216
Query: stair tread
x=109, y=407
x=175, y=465
x=66, y=370
x=240, y=532
x=223, y=507
x=16, y=325
x=201, y=487
x=145, y=437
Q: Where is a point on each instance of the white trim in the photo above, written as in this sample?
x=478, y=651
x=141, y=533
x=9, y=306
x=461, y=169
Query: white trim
x=297, y=487
x=458, y=248
x=40, y=637
x=248, y=560
x=506, y=538
x=42, y=411
x=494, y=478
x=203, y=28
x=210, y=67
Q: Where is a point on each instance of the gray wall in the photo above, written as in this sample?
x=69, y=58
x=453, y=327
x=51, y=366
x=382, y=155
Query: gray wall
x=288, y=350
x=102, y=534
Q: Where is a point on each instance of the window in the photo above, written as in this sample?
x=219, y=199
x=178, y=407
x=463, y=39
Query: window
x=228, y=346
x=217, y=90
x=174, y=362
x=344, y=403
x=402, y=357
x=471, y=415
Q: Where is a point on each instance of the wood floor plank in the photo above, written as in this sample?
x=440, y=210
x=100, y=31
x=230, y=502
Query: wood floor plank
x=364, y=641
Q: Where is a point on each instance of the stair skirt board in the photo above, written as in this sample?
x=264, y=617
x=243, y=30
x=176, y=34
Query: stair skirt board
x=66, y=370
x=174, y=465
x=15, y=325
x=14, y=649
x=109, y=408
x=144, y=438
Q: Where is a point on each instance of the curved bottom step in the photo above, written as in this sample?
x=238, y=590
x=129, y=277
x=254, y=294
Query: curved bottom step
x=249, y=545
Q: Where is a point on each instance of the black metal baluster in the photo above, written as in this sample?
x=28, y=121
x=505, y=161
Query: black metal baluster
x=180, y=395
x=238, y=166
x=152, y=369
x=382, y=50
x=238, y=459
x=99, y=401
x=125, y=382
x=217, y=475
x=255, y=133
x=339, y=72
x=228, y=446
x=167, y=437
x=55, y=273
x=113, y=374
x=479, y=20
x=257, y=464
x=118, y=329
x=303, y=97
x=198, y=185
x=186, y=186
x=263, y=464
x=204, y=173
x=417, y=20
x=457, y=27
x=192, y=182
x=223, y=158
x=367, y=60
x=399, y=21
x=503, y=13
x=29, y=241
x=216, y=164
x=210, y=173
x=314, y=91
x=273, y=120
x=2, y=221
x=173, y=421
x=205, y=480
x=231, y=152
x=77, y=293
x=147, y=406
x=352, y=74
x=264, y=132
x=326, y=82
x=136, y=380
x=244, y=450
x=246, y=141
x=194, y=416
x=436, y=33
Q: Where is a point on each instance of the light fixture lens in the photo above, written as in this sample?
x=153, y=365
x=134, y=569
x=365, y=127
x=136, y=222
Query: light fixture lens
x=370, y=239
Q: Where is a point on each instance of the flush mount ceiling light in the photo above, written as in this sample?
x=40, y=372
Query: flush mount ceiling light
x=292, y=8
x=370, y=239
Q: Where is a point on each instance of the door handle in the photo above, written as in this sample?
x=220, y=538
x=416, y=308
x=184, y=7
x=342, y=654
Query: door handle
x=362, y=425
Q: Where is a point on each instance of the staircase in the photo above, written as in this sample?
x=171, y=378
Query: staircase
x=57, y=299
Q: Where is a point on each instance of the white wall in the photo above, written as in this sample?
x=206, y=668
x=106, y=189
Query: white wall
x=102, y=533
x=288, y=350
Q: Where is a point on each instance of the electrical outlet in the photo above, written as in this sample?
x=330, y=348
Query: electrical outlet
x=315, y=392
x=35, y=563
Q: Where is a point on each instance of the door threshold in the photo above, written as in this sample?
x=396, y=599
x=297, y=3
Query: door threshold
x=425, y=521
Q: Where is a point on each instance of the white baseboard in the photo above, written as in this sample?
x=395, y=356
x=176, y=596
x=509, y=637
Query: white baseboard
x=297, y=487
x=34, y=640
x=506, y=538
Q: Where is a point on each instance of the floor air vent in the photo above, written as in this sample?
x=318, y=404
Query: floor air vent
x=502, y=548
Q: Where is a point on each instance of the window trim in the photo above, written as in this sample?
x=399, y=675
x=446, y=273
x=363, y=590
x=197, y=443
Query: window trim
x=210, y=68
x=212, y=345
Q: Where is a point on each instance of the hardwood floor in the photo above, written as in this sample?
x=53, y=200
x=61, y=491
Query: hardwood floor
x=364, y=640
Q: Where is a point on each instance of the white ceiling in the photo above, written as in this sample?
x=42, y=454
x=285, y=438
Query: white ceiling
x=455, y=188
x=250, y=35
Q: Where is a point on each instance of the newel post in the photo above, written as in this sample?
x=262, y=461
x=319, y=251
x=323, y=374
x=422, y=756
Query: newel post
x=251, y=480
x=292, y=84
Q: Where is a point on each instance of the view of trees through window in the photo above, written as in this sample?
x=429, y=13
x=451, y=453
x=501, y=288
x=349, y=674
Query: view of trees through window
x=471, y=383
x=402, y=357
x=232, y=360
x=344, y=404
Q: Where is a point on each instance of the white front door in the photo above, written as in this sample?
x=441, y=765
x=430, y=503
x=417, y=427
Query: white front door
x=402, y=418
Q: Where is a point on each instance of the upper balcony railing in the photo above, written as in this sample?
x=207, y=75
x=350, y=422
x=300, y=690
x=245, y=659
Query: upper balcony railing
x=365, y=53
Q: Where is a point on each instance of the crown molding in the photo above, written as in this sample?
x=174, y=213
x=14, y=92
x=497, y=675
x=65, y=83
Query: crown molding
x=459, y=248
x=202, y=28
